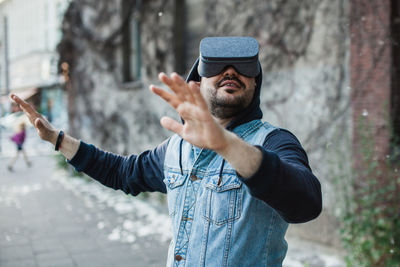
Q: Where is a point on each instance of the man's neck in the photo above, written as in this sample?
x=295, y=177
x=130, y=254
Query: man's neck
x=224, y=122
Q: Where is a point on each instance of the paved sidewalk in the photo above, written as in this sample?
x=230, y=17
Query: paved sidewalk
x=44, y=224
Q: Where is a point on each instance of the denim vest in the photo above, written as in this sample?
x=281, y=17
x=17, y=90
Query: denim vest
x=219, y=224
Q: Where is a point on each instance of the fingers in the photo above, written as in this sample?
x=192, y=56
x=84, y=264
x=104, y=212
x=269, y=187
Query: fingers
x=25, y=106
x=170, y=98
x=172, y=125
x=43, y=128
x=171, y=84
x=197, y=96
x=183, y=86
x=177, y=85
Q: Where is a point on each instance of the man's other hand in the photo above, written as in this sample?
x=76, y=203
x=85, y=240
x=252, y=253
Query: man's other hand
x=45, y=130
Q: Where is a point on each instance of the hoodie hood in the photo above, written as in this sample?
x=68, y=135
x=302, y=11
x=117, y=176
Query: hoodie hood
x=252, y=112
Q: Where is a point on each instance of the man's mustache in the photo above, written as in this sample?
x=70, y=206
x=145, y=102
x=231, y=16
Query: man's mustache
x=230, y=78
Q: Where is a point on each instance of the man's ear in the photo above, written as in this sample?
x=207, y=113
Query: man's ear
x=198, y=83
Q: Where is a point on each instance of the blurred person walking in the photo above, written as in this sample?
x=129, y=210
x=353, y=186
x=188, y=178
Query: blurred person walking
x=19, y=138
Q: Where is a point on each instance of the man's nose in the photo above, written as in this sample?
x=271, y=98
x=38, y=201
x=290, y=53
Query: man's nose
x=230, y=71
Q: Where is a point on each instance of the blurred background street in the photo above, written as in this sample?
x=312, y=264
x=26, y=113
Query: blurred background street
x=331, y=75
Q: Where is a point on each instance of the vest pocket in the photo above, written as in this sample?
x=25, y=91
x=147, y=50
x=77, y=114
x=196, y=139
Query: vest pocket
x=174, y=182
x=223, y=203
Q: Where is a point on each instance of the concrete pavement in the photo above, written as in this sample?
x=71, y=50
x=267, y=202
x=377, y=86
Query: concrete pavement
x=44, y=224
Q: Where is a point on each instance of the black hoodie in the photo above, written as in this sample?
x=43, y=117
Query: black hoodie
x=284, y=179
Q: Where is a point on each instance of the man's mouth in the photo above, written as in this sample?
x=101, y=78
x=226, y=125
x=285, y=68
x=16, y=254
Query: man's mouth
x=230, y=84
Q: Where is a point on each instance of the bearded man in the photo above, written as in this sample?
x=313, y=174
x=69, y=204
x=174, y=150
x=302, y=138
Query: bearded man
x=233, y=182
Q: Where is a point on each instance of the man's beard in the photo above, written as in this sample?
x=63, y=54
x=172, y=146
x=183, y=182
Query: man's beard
x=224, y=108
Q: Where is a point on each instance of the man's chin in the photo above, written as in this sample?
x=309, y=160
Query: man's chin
x=224, y=109
x=224, y=113
x=229, y=96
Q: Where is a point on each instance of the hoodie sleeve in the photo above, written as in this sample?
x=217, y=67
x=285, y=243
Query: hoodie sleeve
x=132, y=174
x=284, y=179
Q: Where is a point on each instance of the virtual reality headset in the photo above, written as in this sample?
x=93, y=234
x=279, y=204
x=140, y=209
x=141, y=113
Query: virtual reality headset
x=217, y=53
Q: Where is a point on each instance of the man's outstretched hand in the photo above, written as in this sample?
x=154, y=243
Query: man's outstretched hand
x=200, y=128
x=44, y=129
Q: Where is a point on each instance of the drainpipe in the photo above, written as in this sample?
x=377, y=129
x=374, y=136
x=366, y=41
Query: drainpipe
x=138, y=41
x=6, y=62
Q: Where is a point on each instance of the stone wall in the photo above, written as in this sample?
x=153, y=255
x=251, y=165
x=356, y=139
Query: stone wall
x=304, y=55
x=102, y=110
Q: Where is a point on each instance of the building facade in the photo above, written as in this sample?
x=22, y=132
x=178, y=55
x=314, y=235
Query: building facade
x=30, y=32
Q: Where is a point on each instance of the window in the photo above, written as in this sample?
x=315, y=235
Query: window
x=131, y=50
x=179, y=36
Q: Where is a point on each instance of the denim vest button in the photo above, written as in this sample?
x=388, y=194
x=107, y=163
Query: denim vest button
x=178, y=257
x=193, y=178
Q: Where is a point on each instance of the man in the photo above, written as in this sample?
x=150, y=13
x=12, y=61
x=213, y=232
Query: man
x=233, y=182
